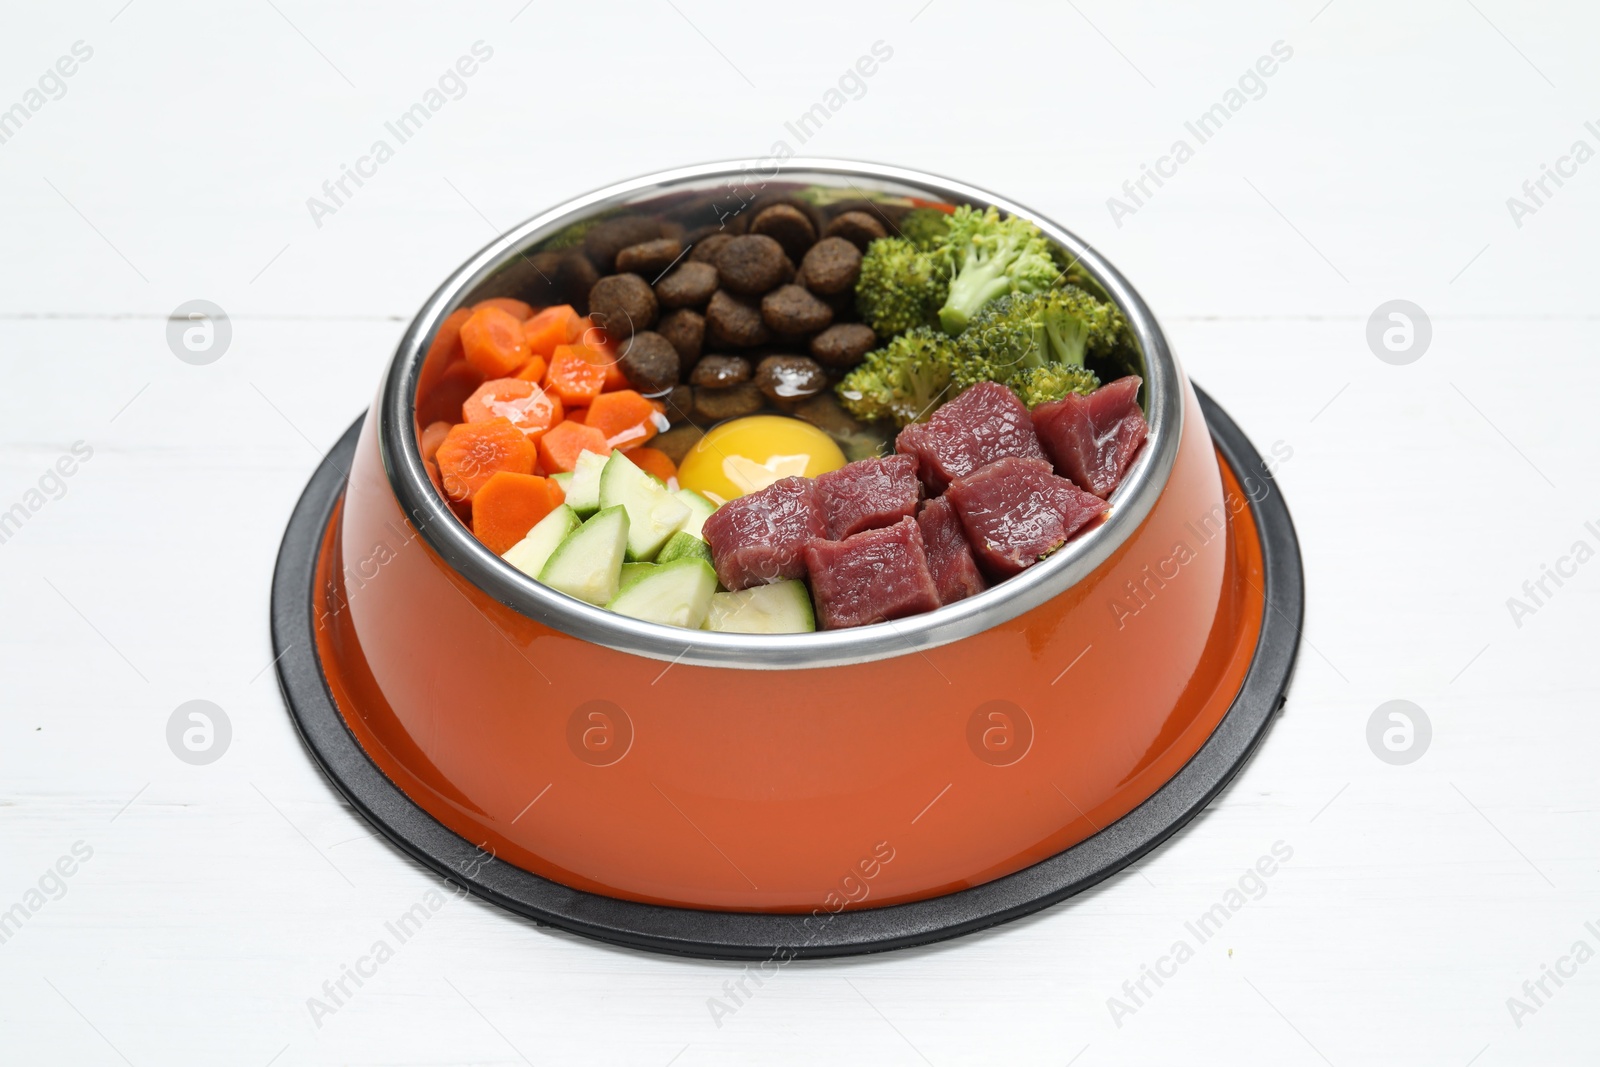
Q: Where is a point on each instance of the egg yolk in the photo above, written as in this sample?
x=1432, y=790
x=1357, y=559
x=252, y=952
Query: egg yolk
x=749, y=454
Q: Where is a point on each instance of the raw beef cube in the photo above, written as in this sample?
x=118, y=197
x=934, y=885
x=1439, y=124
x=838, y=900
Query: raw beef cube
x=955, y=574
x=983, y=424
x=1016, y=512
x=759, y=538
x=871, y=576
x=868, y=493
x=1093, y=439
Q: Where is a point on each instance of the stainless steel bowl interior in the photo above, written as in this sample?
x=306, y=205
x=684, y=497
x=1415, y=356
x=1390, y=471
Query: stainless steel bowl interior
x=708, y=195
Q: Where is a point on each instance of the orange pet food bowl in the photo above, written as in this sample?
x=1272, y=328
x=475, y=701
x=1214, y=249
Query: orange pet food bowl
x=754, y=796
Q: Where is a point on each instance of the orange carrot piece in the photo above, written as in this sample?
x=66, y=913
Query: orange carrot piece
x=559, y=449
x=509, y=505
x=529, y=407
x=578, y=415
x=511, y=304
x=432, y=437
x=492, y=340
x=653, y=461
x=559, y=325
x=474, y=452
x=626, y=418
x=533, y=370
x=443, y=401
x=576, y=374
x=443, y=351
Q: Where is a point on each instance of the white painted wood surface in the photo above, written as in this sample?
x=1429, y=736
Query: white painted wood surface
x=1376, y=165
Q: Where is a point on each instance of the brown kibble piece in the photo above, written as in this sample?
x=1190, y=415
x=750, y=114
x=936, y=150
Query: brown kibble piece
x=790, y=310
x=790, y=378
x=735, y=322
x=689, y=285
x=719, y=372
x=677, y=441
x=787, y=225
x=679, y=403
x=622, y=303
x=857, y=227
x=602, y=243
x=841, y=346
x=705, y=249
x=715, y=405
x=832, y=266
x=686, y=330
x=650, y=362
x=750, y=265
x=649, y=258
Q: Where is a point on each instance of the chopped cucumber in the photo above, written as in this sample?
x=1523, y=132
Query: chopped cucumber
x=783, y=607
x=588, y=563
x=654, y=514
x=700, y=510
x=583, y=493
x=563, y=479
x=683, y=545
x=530, y=554
x=674, y=594
x=630, y=571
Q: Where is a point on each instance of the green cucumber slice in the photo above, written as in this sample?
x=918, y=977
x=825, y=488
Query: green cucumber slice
x=784, y=607
x=700, y=510
x=588, y=563
x=683, y=545
x=583, y=492
x=673, y=594
x=654, y=514
x=630, y=571
x=530, y=554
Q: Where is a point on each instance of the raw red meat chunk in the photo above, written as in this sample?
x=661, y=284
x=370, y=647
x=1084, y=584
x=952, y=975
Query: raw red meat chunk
x=868, y=493
x=1093, y=439
x=955, y=574
x=1016, y=512
x=871, y=576
x=759, y=538
x=983, y=424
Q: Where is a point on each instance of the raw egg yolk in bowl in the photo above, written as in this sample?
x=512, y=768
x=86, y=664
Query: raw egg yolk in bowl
x=746, y=455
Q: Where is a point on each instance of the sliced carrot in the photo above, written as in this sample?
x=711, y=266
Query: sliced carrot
x=559, y=449
x=533, y=370
x=653, y=461
x=492, y=340
x=510, y=304
x=508, y=505
x=559, y=325
x=433, y=475
x=626, y=418
x=443, y=401
x=577, y=373
x=431, y=438
x=443, y=350
x=578, y=415
x=474, y=452
x=529, y=407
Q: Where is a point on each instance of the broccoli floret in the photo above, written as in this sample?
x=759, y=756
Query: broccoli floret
x=904, y=380
x=900, y=286
x=1038, y=385
x=925, y=227
x=1023, y=331
x=988, y=257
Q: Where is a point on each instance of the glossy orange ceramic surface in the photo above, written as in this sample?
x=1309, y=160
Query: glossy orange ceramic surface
x=719, y=788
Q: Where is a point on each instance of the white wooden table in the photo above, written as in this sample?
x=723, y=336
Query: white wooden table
x=207, y=904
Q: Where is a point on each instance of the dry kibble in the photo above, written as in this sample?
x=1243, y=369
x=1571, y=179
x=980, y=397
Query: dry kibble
x=705, y=249
x=734, y=322
x=686, y=330
x=719, y=372
x=650, y=362
x=787, y=225
x=715, y=405
x=677, y=441
x=832, y=266
x=857, y=227
x=602, y=243
x=791, y=310
x=842, y=345
x=689, y=285
x=649, y=258
x=789, y=378
x=750, y=265
x=622, y=303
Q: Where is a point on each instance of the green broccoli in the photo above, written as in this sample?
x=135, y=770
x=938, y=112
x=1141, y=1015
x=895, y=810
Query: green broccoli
x=904, y=380
x=1039, y=385
x=1027, y=331
x=925, y=227
x=988, y=257
x=900, y=286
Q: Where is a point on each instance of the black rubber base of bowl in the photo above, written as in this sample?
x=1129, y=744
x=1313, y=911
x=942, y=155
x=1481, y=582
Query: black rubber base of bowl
x=736, y=935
